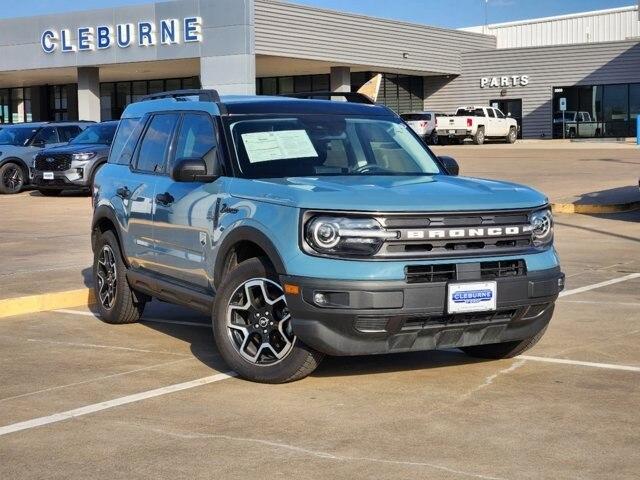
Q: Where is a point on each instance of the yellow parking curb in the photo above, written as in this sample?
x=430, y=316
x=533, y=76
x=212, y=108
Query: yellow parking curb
x=594, y=209
x=49, y=301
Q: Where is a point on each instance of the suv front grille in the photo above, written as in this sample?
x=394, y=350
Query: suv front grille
x=454, y=235
x=478, y=271
x=53, y=163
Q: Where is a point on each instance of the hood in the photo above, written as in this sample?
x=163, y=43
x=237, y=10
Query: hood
x=70, y=148
x=390, y=194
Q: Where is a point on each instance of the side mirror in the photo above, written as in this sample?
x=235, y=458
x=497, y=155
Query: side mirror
x=508, y=114
x=450, y=165
x=191, y=170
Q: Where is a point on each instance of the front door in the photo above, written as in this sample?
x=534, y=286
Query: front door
x=513, y=107
x=184, y=212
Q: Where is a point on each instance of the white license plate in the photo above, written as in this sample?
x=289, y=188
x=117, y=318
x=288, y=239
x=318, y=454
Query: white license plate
x=47, y=175
x=452, y=132
x=472, y=297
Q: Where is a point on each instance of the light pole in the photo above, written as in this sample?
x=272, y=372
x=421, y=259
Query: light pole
x=486, y=16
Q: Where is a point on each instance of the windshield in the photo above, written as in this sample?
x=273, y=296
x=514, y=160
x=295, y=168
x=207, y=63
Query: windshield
x=18, y=136
x=96, y=134
x=328, y=145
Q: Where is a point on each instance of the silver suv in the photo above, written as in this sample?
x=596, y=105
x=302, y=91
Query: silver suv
x=20, y=143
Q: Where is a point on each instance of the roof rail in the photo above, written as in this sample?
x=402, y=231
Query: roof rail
x=203, y=95
x=351, y=97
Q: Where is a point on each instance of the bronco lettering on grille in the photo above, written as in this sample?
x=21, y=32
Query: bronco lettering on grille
x=447, y=233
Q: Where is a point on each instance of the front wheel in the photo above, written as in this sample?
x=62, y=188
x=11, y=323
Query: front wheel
x=252, y=327
x=12, y=178
x=503, y=350
x=513, y=136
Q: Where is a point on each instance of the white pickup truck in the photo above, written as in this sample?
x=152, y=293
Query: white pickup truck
x=478, y=124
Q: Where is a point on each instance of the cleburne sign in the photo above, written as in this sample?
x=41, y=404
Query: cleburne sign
x=143, y=34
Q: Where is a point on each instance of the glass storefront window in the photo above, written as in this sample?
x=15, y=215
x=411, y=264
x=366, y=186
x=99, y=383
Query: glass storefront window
x=58, y=103
x=107, y=97
x=634, y=107
x=615, y=107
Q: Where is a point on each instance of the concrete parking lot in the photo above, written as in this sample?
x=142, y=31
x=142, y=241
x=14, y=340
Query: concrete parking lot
x=80, y=398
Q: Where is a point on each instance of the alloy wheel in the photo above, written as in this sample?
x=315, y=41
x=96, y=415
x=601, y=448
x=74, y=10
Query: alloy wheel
x=259, y=323
x=107, y=277
x=12, y=178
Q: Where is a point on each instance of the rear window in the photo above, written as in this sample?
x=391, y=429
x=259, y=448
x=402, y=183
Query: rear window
x=124, y=143
x=470, y=112
x=416, y=117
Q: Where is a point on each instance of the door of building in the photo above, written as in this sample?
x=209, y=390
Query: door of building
x=4, y=105
x=511, y=106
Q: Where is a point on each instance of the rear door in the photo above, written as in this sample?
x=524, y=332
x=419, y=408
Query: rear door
x=184, y=212
x=148, y=167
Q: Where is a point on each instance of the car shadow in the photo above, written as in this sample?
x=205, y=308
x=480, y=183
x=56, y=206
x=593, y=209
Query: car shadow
x=64, y=193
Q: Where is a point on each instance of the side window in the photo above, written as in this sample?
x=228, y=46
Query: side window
x=47, y=135
x=124, y=143
x=490, y=113
x=427, y=117
x=155, y=143
x=499, y=114
x=196, y=138
x=68, y=133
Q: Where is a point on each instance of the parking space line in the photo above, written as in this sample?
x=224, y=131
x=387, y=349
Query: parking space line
x=564, y=361
x=591, y=302
x=587, y=288
x=97, y=379
x=109, y=347
x=116, y=402
x=142, y=320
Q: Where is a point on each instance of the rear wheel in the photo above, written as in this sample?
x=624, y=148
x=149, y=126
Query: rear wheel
x=12, y=178
x=252, y=327
x=513, y=135
x=504, y=350
x=48, y=192
x=116, y=301
x=433, y=138
x=478, y=138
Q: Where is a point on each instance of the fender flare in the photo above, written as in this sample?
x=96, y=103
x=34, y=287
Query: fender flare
x=250, y=234
x=105, y=212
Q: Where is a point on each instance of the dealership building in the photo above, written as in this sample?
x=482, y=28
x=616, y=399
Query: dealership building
x=89, y=65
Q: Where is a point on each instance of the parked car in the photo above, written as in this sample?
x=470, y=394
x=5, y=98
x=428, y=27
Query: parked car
x=311, y=227
x=576, y=124
x=478, y=124
x=73, y=166
x=20, y=143
x=424, y=124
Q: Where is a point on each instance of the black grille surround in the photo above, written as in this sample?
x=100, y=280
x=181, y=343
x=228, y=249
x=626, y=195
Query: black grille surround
x=442, y=234
x=53, y=163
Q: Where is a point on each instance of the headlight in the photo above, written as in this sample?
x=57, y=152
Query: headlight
x=347, y=236
x=541, y=227
x=83, y=157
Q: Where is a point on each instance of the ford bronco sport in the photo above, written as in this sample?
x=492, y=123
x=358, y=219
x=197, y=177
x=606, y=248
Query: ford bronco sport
x=308, y=227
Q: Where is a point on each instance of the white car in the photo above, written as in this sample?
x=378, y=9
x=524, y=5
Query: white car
x=478, y=124
x=576, y=124
x=424, y=124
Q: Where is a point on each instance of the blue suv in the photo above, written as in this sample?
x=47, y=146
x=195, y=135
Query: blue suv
x=309, y=226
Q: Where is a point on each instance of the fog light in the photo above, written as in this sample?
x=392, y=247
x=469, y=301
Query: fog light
x=320, y=299
x=80, y=172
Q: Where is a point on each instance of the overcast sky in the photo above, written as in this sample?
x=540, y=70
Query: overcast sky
x=444, y=13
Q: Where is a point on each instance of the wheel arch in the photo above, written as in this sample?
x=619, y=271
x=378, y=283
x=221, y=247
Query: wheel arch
x=21, y=163
x=243, y=243
x=104, y=219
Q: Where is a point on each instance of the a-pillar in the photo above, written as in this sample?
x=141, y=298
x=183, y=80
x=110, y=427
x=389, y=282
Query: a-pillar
x=89, y=94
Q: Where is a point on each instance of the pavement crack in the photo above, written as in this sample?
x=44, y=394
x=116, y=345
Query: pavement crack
x=321, y=454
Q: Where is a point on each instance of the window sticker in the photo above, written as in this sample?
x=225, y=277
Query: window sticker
x=283, y=145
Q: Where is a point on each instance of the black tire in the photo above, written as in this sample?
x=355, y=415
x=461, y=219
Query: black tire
x=235, y=344
x=47, y=192
x=503, y=350
x=433, y=138
x=479, y=137
x=513, y=135
x=125, y=306
x=572, y=133
x=12, y=178
x=442, y=140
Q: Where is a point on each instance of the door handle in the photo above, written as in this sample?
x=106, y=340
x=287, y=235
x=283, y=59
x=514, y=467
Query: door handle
x=123, y=192
x=165, y=199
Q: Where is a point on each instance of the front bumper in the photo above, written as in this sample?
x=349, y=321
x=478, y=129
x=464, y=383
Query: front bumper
x=68, y=179
x=394, y=316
